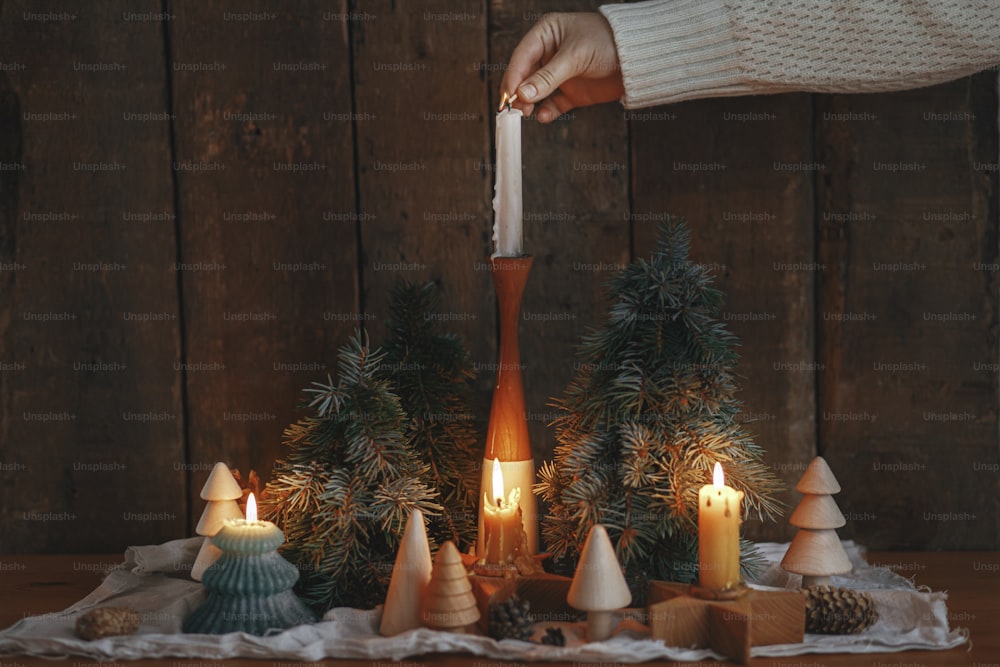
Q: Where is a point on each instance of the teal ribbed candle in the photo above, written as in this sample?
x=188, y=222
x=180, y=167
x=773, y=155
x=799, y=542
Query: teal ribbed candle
x=250, y=586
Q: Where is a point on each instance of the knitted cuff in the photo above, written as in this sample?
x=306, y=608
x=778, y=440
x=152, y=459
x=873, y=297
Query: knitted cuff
x=673, y=50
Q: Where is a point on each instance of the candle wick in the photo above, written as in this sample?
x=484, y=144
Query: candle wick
x=500, y=503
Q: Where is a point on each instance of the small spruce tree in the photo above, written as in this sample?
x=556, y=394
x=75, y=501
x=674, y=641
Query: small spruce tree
x=391, y=435
x=432, y=372
x=343, y=492
x=649, y=412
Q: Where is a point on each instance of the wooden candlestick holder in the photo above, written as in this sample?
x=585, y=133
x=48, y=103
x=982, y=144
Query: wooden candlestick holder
x=680, y=615
x=507, y=435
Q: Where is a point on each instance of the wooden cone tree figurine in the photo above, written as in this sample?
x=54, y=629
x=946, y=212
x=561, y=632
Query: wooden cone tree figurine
x=221, y=490
x=598, y=586
x=816, y=552
x=410, y=576
x=449, y=603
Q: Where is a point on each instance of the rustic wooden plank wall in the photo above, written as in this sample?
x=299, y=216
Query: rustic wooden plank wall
x=907, y=320
x=736, y=169
x=321, y=154
x=423, y=189
x=90, y=409
x=266, y=217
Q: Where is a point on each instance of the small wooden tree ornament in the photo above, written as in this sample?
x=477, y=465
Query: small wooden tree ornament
x=410, y=576
x=221, y=490
x=449, y=603
x=816, y=551
x=599, y=587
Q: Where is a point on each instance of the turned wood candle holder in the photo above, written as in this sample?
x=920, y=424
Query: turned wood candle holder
x=507, y=435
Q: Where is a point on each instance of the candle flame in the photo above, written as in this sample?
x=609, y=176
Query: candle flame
x=497, y=481
x=251, y=508
x=718, y=479
x=507, y=100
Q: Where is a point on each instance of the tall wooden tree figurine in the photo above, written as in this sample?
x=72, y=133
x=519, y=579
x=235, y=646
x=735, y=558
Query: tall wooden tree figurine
x=221, y=490
x=816, y=552
x=410, y=575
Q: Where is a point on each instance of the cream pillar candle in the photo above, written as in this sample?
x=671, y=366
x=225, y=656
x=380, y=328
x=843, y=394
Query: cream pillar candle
x=502, y=521
x=719, y=534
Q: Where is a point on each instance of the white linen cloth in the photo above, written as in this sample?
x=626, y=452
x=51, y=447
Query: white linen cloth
x=153, y=580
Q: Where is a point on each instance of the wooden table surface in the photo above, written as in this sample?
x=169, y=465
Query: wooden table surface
x=35, y=584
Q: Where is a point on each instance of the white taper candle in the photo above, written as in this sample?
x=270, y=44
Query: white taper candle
x=507, y=201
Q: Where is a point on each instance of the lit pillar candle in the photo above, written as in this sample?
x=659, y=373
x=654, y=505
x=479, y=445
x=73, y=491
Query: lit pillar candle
x=719, y=534
x=507, y=202
x=250, y=586
x=502, y=521
x=249, y=530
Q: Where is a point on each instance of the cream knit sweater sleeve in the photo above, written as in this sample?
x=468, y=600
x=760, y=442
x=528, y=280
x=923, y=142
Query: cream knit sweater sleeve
x=673, y=50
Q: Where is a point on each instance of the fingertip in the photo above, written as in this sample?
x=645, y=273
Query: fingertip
x=527, y=91
x=509, y=83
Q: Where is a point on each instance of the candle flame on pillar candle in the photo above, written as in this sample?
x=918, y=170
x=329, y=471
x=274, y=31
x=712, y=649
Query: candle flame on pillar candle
x=502, y=522
x=250, y=529
x=507, y=200
x=497, y=482
x=719, y=533
x=251, y=508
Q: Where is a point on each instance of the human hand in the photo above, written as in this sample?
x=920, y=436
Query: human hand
x=564, y=61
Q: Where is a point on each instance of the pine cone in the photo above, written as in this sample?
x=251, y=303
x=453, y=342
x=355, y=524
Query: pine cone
x=838, y=611
x=554, y=637
x=107, y=621
x=510, y=619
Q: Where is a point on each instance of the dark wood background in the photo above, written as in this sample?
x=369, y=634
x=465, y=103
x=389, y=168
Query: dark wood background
x=196, y=209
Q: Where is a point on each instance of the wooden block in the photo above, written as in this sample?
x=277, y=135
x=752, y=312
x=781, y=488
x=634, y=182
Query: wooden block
x=729, y=628
x=489, y=590
x=660, y=591
x=682, y=621
x=779, y=617
x=545, y=592
x=547, y=595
